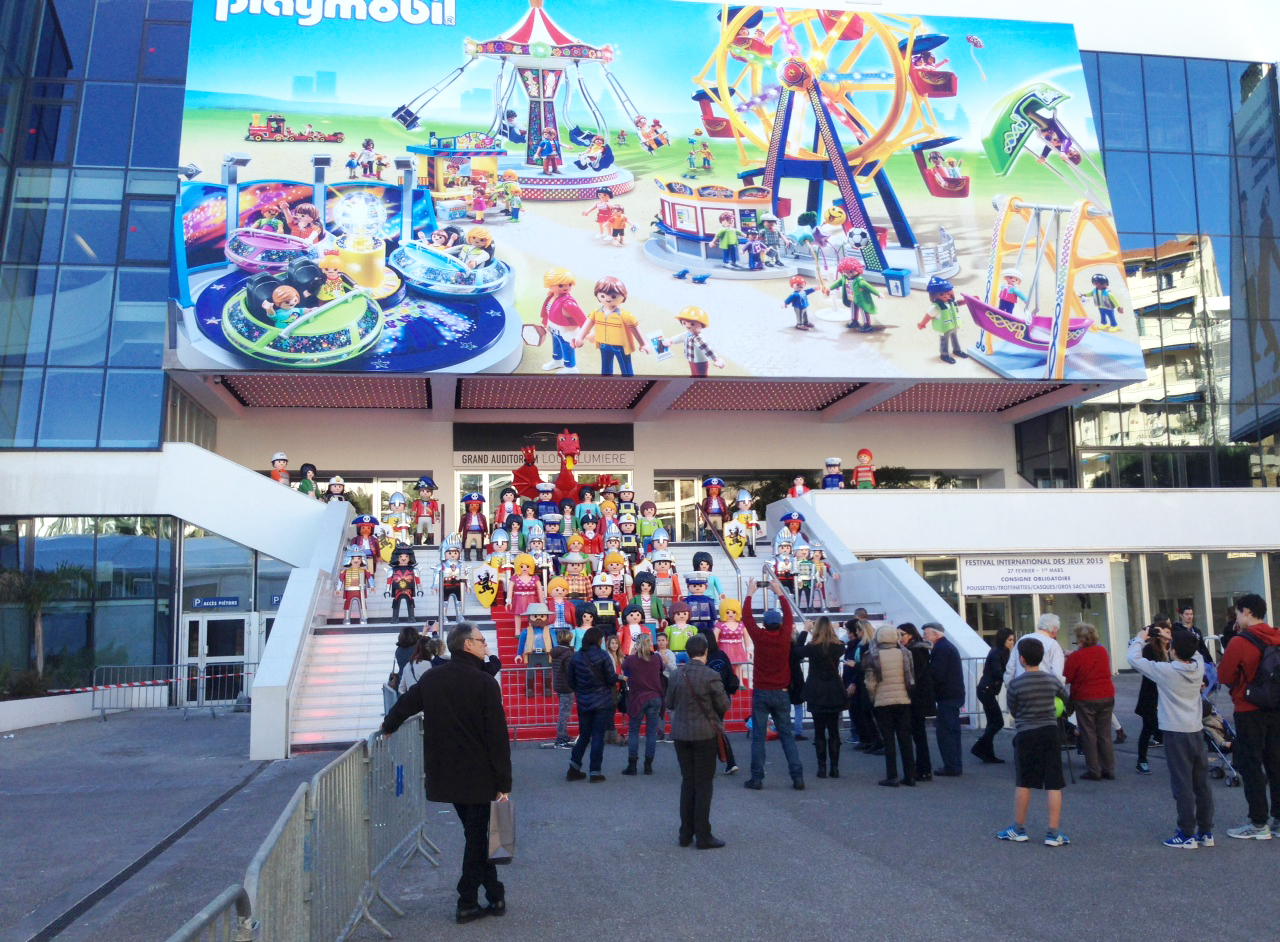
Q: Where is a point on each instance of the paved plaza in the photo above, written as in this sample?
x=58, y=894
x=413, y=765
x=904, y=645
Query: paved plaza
x=82, y=802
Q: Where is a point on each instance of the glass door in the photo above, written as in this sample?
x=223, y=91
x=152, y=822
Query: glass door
x=987, y=614
x=214, y=656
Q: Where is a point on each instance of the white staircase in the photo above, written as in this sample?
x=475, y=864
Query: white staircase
x=340, y=697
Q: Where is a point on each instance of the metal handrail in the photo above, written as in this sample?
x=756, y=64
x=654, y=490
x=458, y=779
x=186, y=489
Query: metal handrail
x=204, y=924
x=770, y=577
x=719, y=537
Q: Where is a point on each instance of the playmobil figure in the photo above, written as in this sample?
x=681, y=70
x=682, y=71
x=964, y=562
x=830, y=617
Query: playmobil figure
x=603, y=210
x=557, y=543
x=334, y=287
x=1106, y=303
x=755, y=249
x=573, y=566
x=802, y=569
x=515, y=202
x=549, y=153
x=945, y=317
x=587, y=504
x=303, y=221
x=1010, y=293
x=397, y=519
x=270, y=220
x=451, y=575
x=366, y=540
x=798, y=300
x=627, y=501
x=280, y=468
x=617, y=225
x=856, y=293
x=367, y=157
x=501, y=560
x=524, y=587
x=308, y=484
x=615, y=567
x=563, y=612
x=546, y=502
x=655, y=616
x=514, y=527
x=479, y=201
x=694, y=320
x=352, y=166
x=603, y=604
x=592, y=541
x=474, y=526
x=380, y=163
x=705, y=153
x=833, y=480
x=731, y=636
x=647, y=525
x=335, y=489
x=678, y=630
x=799, y=487
x=426, y=511
x=285, y=305
x=714, y=507
x=938, y=166
x=773, y=238
x=661, y=543
x=820, y=572
x=792, y=523
x=447, y=239
x=402, y=580
x=590, y=158
x=562, y=318
x=536, y=540
x=508, y=506
x=953, y=168
x=628, y=538
x=353, y=585
x=615, y=331
x=567, y=507
x=703, y=608
x=702, y=565
x=533, y=647
x=727, y=238
x=783, y=562
x=745, y=515
x=665, y=581
x=478, y=251
x=864, y=475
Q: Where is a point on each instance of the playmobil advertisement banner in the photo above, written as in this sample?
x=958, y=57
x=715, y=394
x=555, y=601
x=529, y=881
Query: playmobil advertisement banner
x=552, y=187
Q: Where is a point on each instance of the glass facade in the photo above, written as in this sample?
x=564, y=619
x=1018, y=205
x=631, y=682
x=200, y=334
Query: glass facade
x=1178, y=137
x=92, y=97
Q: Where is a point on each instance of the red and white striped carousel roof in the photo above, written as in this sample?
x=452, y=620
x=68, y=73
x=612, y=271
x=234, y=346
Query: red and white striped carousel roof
x=537, y=27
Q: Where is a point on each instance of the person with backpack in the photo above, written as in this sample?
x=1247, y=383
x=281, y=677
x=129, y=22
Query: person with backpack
x=1250, y=667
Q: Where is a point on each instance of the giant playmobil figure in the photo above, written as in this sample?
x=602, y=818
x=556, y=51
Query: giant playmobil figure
x=508, y=506
x=336, y=489
x=397, y=518
x=702, y=607
x=474, y=525
x=451, y=575
x=833, y=480
x=792, y=523
x=366, y=541
x=280, y=468
x=351, y=584
x=864, y=475
x=502, y=561
x=748, y=518
x=714, y=507
x=426, y=511
x=403, y=583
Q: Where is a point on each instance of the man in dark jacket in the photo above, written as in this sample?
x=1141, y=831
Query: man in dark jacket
x=698, y=703
x=947, y=675
x=467, y=756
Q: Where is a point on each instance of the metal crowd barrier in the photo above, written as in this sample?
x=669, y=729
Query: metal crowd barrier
x=121, y=687
x=317, y=872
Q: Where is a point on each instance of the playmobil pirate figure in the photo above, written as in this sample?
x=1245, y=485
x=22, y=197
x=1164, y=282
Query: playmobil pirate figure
x=403, y=583
x=748, y=518
x=280, y=468
x=474, y=526
x=352, y=585
x=397, y=519
x=792, y=523
x=366, y=540
x=833, y=480
x=864, y=475
x=426, y=511
x=451, y=575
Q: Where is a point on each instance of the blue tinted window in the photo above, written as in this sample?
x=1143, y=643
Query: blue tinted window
x=1213, y=194
x=19, y=407
x=117, y=39
x=138, y=322
x=74, y=21
x=47, y=134
x=169, y=10
x=26, y=301
x=157, y=128
x=148, y=230
x=1168, y=126
x=1129, y=183
x=164, y=51
x=1210, y=104
x=132, y=410
x=36, y=215
x=1124, y=117
x=93, y=219
x=1090, y=62
x=103, y=140
x=81, y=314
x=70, y=408
x=1173, y=187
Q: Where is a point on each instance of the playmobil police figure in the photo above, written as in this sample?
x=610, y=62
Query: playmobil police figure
x=336, y=489
x=280, y=468
x=864, y=475
x=833, y=480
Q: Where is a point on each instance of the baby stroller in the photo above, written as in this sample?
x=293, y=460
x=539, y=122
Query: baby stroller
x=1221, y=740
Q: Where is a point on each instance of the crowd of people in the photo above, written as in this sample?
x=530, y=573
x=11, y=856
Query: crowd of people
x=889, y=679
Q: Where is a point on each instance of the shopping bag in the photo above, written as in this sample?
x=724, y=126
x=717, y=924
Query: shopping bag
x=502, y=831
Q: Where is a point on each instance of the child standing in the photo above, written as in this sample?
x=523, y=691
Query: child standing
x=617, y=225
x=1031, y=699
x=696, y=351
x=1178, y=686
x=1106, y=302
x=945, y=316
x=560, y=656
x=798, y=300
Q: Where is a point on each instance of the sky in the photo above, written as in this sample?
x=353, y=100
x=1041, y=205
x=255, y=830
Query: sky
x=660, y=45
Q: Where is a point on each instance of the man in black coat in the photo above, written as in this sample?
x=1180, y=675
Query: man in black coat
x=947, y=674
x=466, y=754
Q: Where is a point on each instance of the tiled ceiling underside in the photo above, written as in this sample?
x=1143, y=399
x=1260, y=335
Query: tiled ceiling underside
x=965, y=397
x=553, y=392
x=727, y=395
x=311, y=391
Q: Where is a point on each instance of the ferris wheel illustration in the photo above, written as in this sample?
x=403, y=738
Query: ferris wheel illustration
x=828, y=96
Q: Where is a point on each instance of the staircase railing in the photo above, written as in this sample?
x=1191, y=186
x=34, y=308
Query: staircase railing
x=719, y=538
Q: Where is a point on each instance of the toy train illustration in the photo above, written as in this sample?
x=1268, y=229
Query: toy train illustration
x=276, y=130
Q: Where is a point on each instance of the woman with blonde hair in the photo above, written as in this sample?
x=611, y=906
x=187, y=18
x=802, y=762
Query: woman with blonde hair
x=642, y=670
x=824, y=693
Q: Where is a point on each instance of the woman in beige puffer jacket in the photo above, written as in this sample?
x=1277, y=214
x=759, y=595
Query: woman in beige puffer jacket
x=889, y=681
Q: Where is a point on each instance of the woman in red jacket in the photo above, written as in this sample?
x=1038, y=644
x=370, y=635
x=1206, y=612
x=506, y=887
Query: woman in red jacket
x=1088, y=671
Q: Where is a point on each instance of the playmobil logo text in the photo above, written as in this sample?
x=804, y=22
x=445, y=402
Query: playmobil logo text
x=311, y=12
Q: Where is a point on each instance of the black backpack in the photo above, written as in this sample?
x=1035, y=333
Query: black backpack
x=1263, y=691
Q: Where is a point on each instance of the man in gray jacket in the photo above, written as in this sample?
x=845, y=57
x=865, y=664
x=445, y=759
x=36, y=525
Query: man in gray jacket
x=698, y=703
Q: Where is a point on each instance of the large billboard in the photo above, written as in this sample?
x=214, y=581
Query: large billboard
x=657, y=189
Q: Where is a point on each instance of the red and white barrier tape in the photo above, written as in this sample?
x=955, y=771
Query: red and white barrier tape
x=150, y=683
